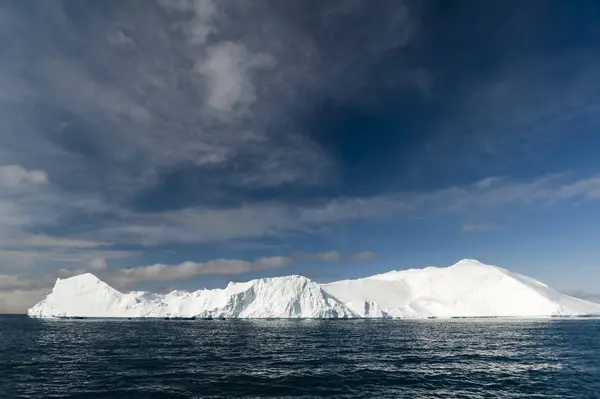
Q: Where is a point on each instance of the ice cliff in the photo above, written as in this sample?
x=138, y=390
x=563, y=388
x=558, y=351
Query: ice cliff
x=466, y=289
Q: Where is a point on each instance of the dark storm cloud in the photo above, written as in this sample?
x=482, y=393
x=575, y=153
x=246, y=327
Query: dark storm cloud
x=204, y=108
x=115, y=101
x=111, y=98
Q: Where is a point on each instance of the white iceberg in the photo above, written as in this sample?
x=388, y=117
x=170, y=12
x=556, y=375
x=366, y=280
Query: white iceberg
x=281, y=297
x=466, y=289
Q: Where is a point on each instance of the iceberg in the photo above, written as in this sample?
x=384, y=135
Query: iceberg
x=86, y=295
x=466, y=289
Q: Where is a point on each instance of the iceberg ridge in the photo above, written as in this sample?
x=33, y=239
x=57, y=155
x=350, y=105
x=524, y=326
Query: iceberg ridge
x=466, y=289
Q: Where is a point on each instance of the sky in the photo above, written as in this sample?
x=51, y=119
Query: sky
x=184, y=144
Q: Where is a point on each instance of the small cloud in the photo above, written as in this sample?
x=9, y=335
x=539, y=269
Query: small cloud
x=15, y=175
x=488, y=182
x=227, y=69
x=480, y=228
x=331, y=256
x=335, y=256
x=362, y=256
x=328, y=256
x=97, y=264
x=120, y=39
x=50, y=241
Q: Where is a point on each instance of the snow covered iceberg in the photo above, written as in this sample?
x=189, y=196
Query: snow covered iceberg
x=466, y=289
x=281, y=297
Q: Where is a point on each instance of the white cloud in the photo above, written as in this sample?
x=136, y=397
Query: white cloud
x=120, y=39
x=362, y=256
x=334, y=256
x=330, y=256
x=227, y=68
x=97, y=264
x=15, y=175
x=185, y=270
x=587, y=189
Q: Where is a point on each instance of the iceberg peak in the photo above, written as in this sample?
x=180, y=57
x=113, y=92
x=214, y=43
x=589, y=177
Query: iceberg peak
x=85, y=277
x=469, y=262
x=85, y=281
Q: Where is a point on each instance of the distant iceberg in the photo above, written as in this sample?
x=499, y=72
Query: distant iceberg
x=466, y=289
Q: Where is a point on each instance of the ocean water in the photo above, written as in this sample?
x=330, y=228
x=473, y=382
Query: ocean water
x=299, y=358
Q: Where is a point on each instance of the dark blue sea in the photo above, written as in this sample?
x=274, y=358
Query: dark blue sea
x=299, y=359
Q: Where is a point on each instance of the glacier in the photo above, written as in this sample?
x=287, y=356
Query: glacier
x=466, y=289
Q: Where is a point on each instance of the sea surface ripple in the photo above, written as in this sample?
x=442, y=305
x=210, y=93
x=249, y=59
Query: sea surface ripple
x=299, y=358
